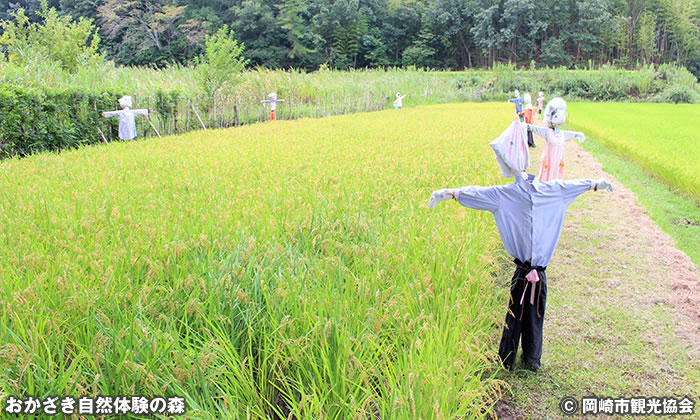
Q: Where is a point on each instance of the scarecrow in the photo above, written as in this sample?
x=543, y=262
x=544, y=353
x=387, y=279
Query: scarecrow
x=529, y=216
x=528, y=118
x=518, y=101
x=398, y=103
x=127, y=124
x=552, y=166
x=273, y=104
x=540, y=102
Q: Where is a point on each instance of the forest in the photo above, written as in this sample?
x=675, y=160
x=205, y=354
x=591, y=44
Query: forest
x=345, y=34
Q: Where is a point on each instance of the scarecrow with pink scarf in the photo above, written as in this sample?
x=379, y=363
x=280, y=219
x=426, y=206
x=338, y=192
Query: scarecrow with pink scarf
x=529, y=215
x=552, y=166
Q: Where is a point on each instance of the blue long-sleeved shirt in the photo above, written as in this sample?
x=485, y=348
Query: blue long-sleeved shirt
x=529, y=214
x=518, y=104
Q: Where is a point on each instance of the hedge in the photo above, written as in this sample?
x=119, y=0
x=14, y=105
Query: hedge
x=34, y=119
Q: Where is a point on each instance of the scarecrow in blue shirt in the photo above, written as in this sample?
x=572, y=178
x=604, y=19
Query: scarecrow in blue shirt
x=518, y=101
x=529, y=216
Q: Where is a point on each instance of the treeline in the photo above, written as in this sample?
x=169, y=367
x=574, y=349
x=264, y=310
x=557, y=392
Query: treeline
x=444, y=34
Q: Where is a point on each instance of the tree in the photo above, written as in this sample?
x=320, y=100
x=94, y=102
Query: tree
x=646, y=37
x=554, y=54
x=402, y=29
x=147, y=29
x=421, y=53
x=451, y=20
x=78, y=8
x=342, y=25
x=257, y=26
x=222, y=63
x=57, y=39
x=295, y=19
x=592, y=17
x=486, y=32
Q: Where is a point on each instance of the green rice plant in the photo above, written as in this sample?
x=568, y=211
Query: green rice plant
x=289, y=269
x=656, y=136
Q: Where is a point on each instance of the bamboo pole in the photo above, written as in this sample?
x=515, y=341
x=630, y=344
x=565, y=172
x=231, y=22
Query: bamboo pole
x=148, y=118
x=102, y=134
x=198, y=117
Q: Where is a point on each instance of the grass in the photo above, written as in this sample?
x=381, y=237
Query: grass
x=276, y=269
x=359, y=89
x=676, y=214
x=660, y=137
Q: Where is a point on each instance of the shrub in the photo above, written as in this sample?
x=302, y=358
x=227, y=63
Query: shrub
x=34, y=120
x=678, y=95
x=56, y=39
x=222, y=63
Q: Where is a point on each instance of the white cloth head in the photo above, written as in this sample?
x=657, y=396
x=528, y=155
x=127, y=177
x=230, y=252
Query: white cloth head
x=555, y=112
x=512, y=154
x=273, y=96
x=125, y=101
x=517, y=93
x=541, y=94
x=527, y=98
x=398, y=94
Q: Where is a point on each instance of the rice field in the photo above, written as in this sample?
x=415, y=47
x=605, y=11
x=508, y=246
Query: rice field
x=287, y=269
x=662, y=138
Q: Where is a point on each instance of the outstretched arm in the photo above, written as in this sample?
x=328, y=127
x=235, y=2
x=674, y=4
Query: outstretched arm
x=572, y=189
x=479, y=198
x=568, y=135
x=111, y=114
x=140, y=111
x=540, y=131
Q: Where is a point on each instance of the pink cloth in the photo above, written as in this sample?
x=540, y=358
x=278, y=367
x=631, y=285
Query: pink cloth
x=512, y=155
x=552, y=166
x=532, y=277
x=540, y=101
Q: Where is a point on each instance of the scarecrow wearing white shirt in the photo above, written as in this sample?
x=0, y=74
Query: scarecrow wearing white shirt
x=398, y=103
x=127, y=124
x=273, y=105
x=529, y=216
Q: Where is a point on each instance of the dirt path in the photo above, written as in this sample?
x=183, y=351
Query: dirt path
x=623, y=311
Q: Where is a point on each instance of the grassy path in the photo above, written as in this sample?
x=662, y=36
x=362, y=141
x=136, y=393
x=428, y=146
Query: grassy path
x=623, y=312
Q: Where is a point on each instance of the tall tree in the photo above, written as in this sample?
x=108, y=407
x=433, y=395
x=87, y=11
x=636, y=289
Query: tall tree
x=404, y=22
x=645, y=41
x=294, y=18
x=342, y=24
x=587, y=35
x=452, y=20
x=486, y=32
x=57, y=39
x=149, y=28
x=257, y=26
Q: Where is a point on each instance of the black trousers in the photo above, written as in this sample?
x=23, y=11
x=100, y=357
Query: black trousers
x=526, y=319
x=530, y=140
